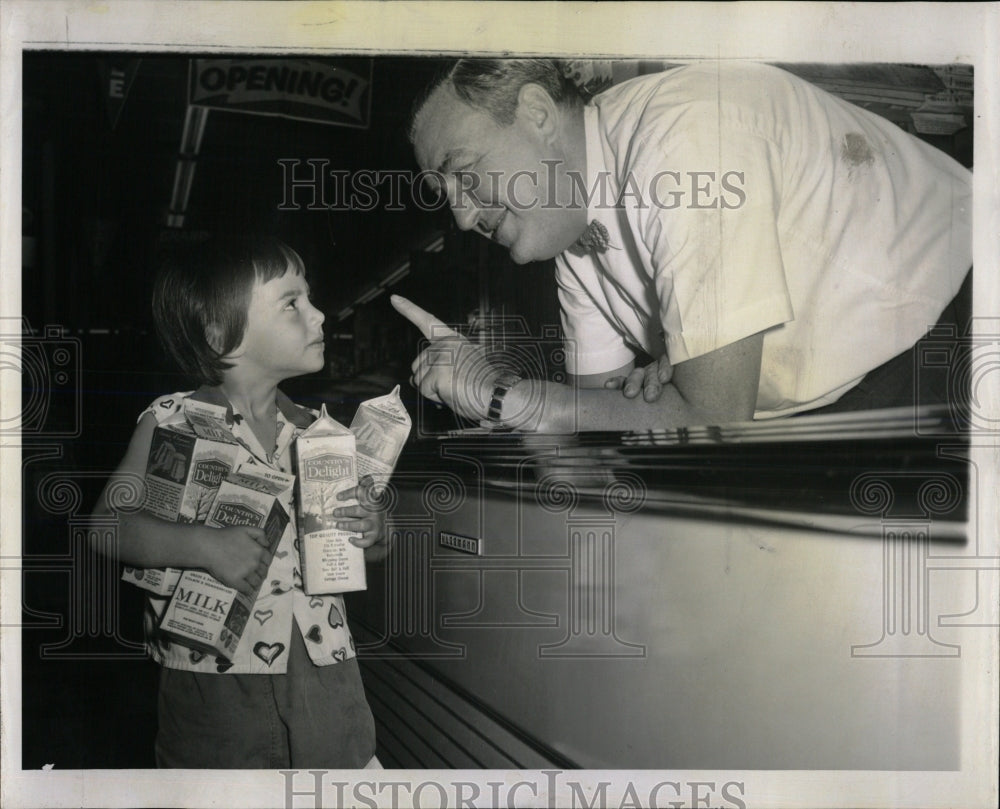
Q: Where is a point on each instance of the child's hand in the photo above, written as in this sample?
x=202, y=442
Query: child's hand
x=367, y=519
x=238, y=557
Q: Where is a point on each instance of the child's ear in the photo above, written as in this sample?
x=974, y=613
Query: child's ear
x=213, y=335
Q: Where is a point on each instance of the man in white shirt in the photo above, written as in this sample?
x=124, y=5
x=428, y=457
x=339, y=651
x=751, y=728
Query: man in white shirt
x=770, y=243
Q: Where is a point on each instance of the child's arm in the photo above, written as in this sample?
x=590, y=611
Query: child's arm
x=367, y=518
x=238, y=557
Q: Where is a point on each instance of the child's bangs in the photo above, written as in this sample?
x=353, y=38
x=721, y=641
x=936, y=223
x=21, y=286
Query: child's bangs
x=274, y=260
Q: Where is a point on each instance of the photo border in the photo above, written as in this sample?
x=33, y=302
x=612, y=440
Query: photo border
x=932, y=33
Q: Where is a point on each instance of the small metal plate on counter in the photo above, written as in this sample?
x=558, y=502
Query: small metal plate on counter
x=458, y=542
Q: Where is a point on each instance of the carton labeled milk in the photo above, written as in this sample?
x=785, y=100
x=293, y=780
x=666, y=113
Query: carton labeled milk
x=326, y=465
x=203, y=613
x=381, y=427
x=188, y=460
x=159, y=581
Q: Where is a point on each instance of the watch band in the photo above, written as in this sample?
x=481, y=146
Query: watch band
x=503, y=383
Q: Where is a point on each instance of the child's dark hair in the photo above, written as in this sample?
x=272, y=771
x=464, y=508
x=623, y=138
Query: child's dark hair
x=202, y=294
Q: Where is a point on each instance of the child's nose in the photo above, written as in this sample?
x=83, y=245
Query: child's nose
x=319, y=315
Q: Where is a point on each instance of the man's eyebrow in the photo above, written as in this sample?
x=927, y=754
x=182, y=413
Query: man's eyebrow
x=449, y=160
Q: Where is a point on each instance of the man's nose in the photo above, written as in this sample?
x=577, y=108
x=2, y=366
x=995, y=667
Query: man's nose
x=465, y=211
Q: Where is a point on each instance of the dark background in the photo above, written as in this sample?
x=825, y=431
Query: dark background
x=96, y=194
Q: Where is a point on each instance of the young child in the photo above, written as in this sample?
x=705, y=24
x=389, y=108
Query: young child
x=238, y=317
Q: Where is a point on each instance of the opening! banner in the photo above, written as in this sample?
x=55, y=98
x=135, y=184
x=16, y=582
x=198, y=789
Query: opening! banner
x=303, y=89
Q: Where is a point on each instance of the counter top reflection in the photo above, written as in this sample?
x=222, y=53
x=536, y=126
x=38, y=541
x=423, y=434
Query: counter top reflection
x=831, y=472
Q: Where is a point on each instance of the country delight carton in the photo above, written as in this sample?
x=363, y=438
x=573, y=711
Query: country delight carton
x=188, y=460
x=203, y=613
x=381, y=427
x=326, y=465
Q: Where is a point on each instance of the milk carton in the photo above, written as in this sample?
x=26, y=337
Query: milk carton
x=203, y=613
x=159, y=581
x=188, y=459
x=326, y=465
x=381, y=427
x=184, y=470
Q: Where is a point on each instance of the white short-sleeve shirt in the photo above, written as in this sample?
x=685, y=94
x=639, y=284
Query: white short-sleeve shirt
x=741, y=199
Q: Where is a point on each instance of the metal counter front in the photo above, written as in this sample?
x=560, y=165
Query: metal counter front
x=767, y=596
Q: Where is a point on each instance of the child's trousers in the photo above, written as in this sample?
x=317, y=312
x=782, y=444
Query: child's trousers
x=313, y=717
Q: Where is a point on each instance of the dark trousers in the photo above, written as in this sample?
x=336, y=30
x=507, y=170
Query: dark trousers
x=313, y=717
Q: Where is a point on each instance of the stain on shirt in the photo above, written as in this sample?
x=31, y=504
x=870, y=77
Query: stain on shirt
x=856, y=152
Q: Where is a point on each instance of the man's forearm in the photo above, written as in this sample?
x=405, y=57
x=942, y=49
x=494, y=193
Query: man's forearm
x=715, y=388
x=549, y=407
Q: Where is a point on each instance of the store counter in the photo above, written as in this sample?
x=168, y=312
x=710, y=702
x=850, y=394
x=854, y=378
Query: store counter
x=786, y=595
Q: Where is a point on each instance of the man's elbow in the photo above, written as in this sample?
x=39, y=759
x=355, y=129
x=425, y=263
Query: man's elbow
x=699, y=410
x=710, y=415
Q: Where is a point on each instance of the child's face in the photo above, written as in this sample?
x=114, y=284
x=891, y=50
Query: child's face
x=284, y=334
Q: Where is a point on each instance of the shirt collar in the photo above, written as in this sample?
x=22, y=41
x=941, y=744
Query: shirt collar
x=597, y=171
x=602, y=186
x=299, y=416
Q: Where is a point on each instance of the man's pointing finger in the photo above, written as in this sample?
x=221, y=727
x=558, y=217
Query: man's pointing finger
x=430, y=326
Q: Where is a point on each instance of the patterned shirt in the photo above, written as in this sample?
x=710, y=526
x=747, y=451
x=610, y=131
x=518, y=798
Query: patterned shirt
x=263, y=649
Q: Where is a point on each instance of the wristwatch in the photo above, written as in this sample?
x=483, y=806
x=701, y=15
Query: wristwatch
x=504, y=382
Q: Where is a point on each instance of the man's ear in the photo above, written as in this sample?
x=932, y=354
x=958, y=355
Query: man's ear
x=537, y=111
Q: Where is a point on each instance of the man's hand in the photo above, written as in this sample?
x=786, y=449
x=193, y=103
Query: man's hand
x=715, y=388
x=650, y=380
x=237, y=556
x=451, y=370
x=366, y=518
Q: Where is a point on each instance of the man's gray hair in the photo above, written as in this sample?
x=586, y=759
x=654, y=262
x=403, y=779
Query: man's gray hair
x=492, y=85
